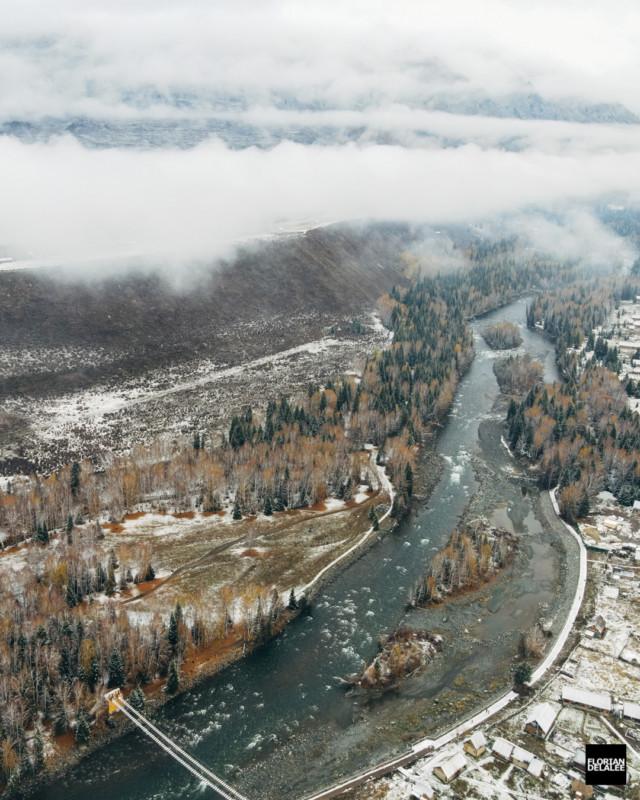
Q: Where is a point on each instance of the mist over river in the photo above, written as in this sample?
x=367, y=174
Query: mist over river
x=277, y=726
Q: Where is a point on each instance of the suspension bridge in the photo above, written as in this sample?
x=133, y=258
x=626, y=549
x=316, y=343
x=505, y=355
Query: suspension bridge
x=118, y=703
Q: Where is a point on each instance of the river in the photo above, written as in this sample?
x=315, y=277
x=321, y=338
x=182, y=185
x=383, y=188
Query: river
x=275, y=724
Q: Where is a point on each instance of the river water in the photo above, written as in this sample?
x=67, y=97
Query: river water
x=275, y=724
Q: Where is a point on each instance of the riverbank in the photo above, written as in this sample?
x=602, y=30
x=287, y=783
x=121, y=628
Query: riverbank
x=480, y=641
x=563, y=644
x=277, y=709
x=197, y=671
x=201, y=666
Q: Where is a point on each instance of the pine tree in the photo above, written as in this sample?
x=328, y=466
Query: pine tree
x=101, y=577
x=408, y=479
x=585, y=506
x=116, y=670
x=522, y=674
x=172, y=634
x=71, y=597
x=69, y=528
x=373, y=516
x=173, y=681
x=395, y=507
x=74, y=478
x=83, y=729
x=26, y=767
x=38, y=753
x=42, y=534
x=93, y=678
x=293, y=603
x=110, y=582
x=237, y=514
x=137, y=699
x=268, y=507
x=13, y=788
x=64, y=665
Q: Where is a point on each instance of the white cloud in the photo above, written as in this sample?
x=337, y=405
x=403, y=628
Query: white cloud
x=366, y=65
x=77, y=56
x=182, y=204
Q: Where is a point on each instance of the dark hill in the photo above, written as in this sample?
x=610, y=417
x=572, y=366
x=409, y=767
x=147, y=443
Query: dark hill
x=295, y=287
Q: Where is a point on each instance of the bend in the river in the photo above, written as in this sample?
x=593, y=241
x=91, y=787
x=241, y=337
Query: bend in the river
x=276, y=724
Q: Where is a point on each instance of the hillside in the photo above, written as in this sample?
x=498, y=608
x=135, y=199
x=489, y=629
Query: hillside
x=87, y=365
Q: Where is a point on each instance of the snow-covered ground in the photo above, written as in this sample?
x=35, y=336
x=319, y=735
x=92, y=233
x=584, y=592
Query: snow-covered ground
x=201, y=395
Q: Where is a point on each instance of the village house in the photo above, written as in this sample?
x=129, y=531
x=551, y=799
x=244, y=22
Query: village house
x=521, y=757
x=476, y=744
x=598, y=627
x=536, y=768
x=502, y=748
x=422, y=791
x=631, y=711
x=580, y=759
x=583, y=698
x=451, y=768
x=540, y=720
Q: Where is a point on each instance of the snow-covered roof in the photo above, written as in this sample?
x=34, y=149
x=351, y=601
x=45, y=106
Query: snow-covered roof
x=453, y=765
x=631, y=710
x=543, y=715
x=478, y=740
x=501, y=747
x=586, y=698
x=522, y=755
x=580, y=757
x=535, y=768
x=423, y=790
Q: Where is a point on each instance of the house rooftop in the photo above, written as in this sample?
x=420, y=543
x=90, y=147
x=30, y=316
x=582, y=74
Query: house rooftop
x=584, y=697
x=453, y=765
x=423, y=790
x=543, y=715
x=520, y=754
x=501, y=747
x=478, y=739
x=631, y=710
x=535, y=768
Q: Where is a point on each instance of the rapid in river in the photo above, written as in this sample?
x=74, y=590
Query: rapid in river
x=276, y=725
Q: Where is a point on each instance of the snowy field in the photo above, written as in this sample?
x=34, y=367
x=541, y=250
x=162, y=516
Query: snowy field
x=196, y=395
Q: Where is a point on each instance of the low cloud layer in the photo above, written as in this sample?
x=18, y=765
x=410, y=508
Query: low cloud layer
x=66, y=199
x=359, y=67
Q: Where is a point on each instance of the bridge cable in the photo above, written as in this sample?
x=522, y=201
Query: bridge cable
x=143, y=722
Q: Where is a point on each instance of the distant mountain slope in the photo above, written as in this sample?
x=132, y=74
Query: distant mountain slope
x=237, y=133
x=88, y=368
x=306, y=283
x=530, y=106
